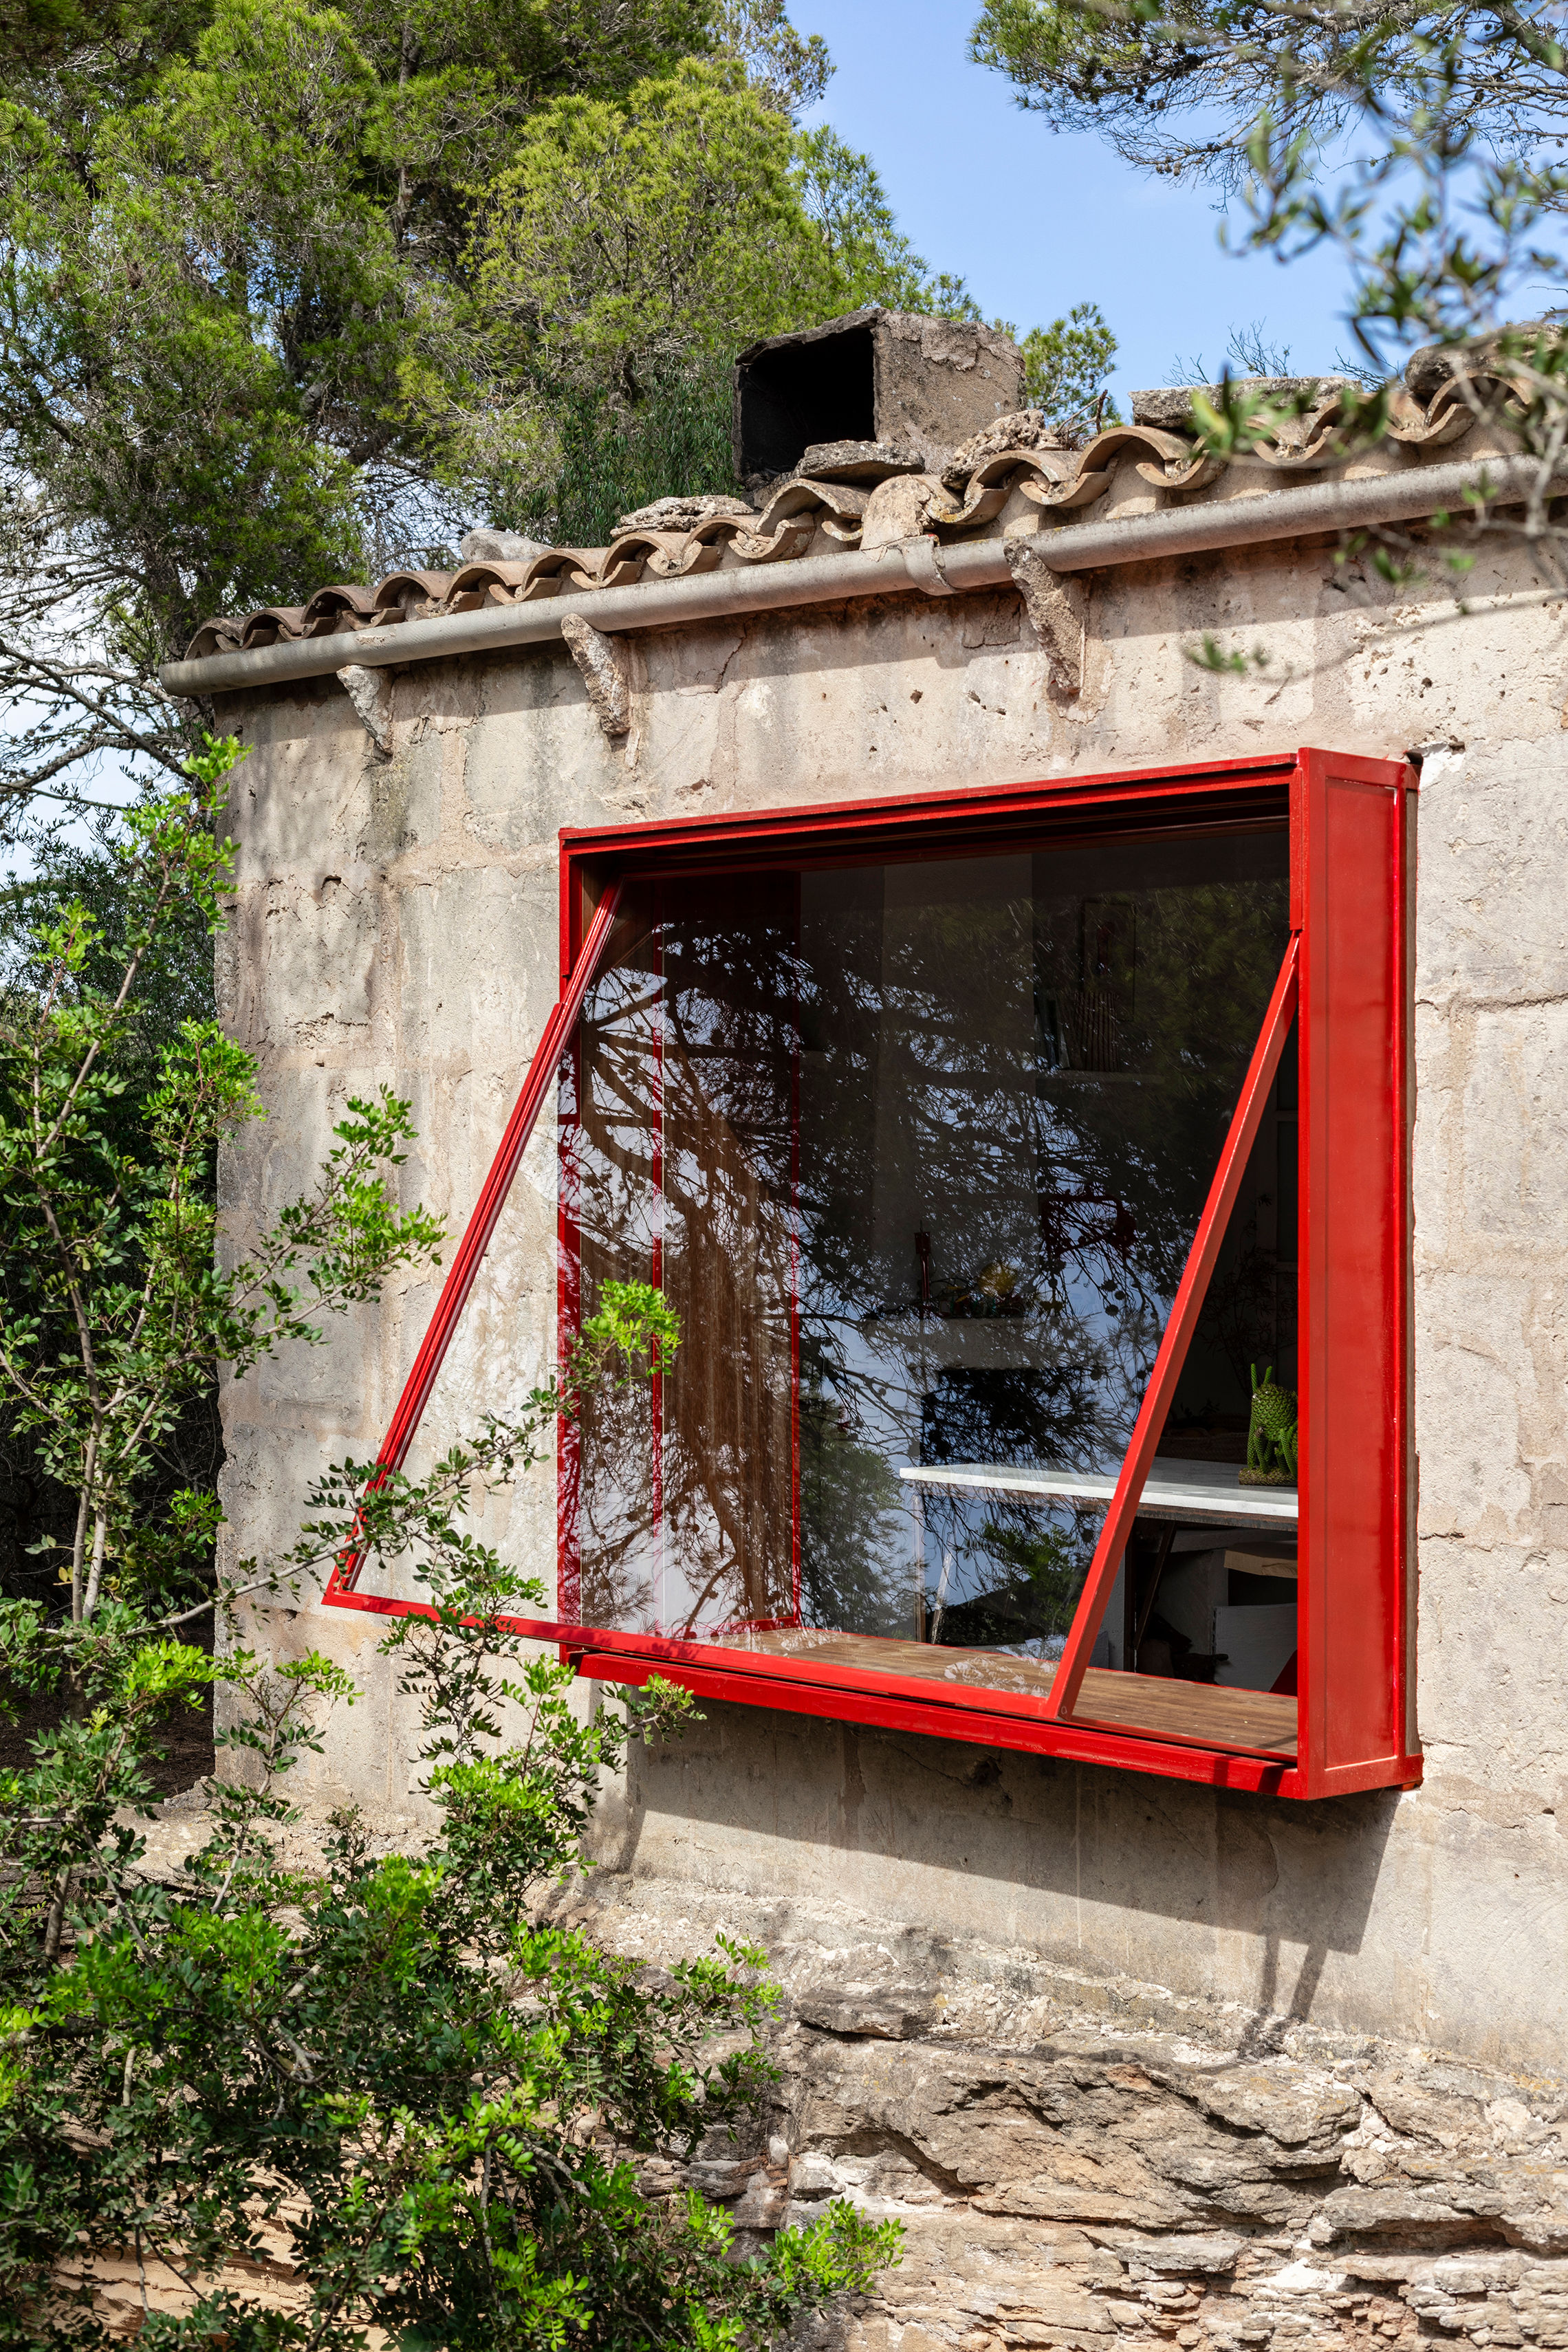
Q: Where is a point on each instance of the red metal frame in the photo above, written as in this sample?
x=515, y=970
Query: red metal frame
x=1347, y=972
x=543, y=1072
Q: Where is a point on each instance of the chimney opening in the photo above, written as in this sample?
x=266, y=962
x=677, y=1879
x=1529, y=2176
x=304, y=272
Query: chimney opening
x=814, y=388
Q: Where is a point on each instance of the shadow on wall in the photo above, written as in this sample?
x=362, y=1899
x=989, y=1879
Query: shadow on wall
x=1197, y=1889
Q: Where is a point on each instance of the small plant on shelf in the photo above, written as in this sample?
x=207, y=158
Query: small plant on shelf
x=1272, y=1437
x=995, y=1290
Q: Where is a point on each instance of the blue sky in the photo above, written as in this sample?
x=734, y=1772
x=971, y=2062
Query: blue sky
x=1037, y=222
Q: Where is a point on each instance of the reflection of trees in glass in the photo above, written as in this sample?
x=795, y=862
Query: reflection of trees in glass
x=854, y=1535
x=686, y=1054
x=1012, y=1580
x=729, y=1043
x=1028, y=1412
x=1147, y=1134
x=1239, y=1320
x=1043, y=1577
x=942, y=1039
x=606, y=1173
x=1247, y=1313
x=1032, y=1060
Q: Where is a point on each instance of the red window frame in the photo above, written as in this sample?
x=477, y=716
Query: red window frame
x=1348, y=973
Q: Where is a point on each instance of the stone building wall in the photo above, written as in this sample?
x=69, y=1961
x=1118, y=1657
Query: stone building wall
x=397, y=922
x=1082, y=2162
x=1078, y=2162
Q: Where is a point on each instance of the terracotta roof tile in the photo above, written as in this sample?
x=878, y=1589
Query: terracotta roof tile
x=1019, y=457
x=346, y=606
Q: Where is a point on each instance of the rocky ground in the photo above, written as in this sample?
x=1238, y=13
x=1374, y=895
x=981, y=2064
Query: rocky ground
x=1080, y=2161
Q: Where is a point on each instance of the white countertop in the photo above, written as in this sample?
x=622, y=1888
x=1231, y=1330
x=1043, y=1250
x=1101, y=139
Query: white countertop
x=1175, y=1490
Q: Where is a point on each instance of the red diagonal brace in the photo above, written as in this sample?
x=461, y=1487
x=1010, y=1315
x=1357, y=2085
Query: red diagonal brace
x=464, y=1265
x=1173, y=1348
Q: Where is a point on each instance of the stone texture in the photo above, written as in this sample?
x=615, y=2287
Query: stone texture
x=1170, y=406
x=897, y=509
x=501, y=547
x=1004, y=2135
x=1057, y=607
x=605, y=667
x=678, y=513
x=370, y=691
x=857, y=461
x=1076, y=2164
x=1027, y=428
x=935, y=382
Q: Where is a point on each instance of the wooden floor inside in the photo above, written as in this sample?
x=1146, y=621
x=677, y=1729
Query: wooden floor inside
x=1203, y=1715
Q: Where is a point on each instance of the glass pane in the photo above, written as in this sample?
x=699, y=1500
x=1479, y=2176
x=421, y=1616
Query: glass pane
x=1207, y=1596
x=918, y=1151
x=613, y=1516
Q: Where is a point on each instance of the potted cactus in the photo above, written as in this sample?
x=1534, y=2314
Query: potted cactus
x=1272, y=1437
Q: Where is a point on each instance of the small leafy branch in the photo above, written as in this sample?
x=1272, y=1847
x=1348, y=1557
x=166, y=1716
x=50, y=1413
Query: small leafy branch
x=382, y=2070
x=1443, y=126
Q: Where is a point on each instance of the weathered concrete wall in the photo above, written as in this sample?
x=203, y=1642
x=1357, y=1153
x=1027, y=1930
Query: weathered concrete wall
x=397, y=921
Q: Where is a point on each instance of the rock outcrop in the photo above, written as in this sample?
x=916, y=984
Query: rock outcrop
x=1082, y=2162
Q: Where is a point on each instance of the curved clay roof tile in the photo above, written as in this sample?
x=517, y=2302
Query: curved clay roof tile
x=221, y=635
x=790, y=540
x=638, y=546
x=494, y=583
x=348, y=605
x=402, y=592
x=562, y=572
x=1448, y=413
x=843, y=501
x=992, y=484
x=272, y=624
x=1058, y=479
x=669, y=554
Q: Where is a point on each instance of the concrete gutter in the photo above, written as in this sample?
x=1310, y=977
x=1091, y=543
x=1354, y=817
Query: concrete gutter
x=909, y=565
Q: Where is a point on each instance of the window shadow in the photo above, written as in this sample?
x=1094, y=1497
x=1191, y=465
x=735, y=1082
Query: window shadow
x=1250, y=1898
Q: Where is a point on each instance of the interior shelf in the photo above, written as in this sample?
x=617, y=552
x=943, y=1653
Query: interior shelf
x=1175, y=1490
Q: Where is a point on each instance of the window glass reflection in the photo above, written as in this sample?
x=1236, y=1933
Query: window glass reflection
x=917, y=1153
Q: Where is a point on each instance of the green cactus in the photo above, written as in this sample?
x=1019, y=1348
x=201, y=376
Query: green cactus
x=1271, y=1443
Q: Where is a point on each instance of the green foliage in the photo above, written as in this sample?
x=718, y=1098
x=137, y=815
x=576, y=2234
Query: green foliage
x=609, y=460
x=623, y=237
x=1045, y=1565
x=1178, y=85
x=290, y=293
x=632, y=1318
x=844, y=196
x=629, y=251
x=115, y=1311
x=1066, y=367
x=174, y=987
x=384, y=2069
x=1444, y=125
